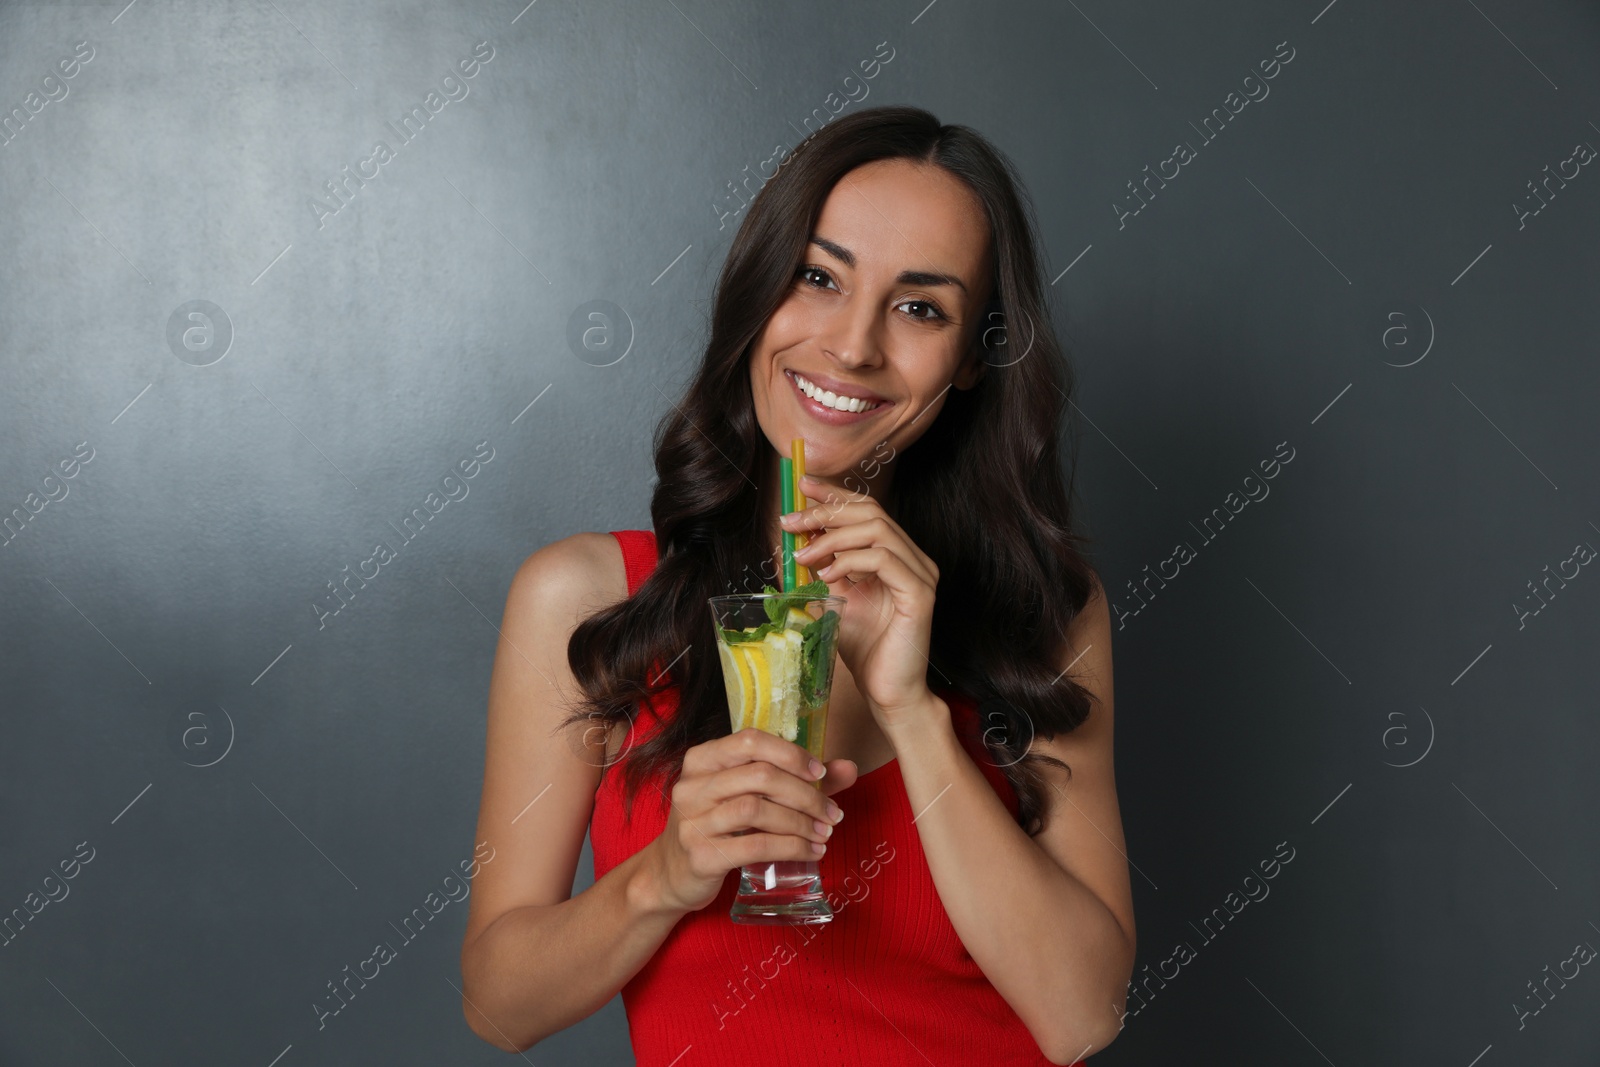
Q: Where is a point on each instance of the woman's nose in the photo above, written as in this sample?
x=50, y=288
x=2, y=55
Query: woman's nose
x=854, y=340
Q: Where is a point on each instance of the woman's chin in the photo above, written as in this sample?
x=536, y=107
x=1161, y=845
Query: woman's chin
x=826, y=458
x=820, y=460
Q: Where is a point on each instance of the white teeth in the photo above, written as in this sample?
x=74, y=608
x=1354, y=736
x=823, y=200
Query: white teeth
x=832, y=400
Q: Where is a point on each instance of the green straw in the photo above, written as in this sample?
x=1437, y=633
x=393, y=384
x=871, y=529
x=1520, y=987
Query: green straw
x=786, y=478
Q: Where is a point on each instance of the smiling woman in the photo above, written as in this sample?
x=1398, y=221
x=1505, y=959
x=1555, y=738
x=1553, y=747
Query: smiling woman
x=855, y=311
x=863, y=342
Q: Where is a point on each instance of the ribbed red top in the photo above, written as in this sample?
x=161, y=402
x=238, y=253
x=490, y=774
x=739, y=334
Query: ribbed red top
x=886, y=983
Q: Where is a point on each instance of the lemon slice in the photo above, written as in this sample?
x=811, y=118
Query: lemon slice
x=783, y=657
x=761, y=682
x=736, y=679
x=799, y=619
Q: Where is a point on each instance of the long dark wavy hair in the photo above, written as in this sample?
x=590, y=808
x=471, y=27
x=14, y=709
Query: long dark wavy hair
x=981, y=491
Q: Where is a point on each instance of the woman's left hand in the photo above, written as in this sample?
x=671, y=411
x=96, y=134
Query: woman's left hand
x=865, y=557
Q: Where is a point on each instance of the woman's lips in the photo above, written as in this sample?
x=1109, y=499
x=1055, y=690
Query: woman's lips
x=831, y=416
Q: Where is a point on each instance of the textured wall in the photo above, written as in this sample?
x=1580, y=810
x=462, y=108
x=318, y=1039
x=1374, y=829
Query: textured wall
x=1350, y=247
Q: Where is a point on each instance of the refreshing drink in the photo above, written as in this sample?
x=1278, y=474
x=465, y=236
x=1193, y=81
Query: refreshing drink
x=777, y=652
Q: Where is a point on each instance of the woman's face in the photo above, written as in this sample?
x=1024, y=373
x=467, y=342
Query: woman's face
x=885, y=306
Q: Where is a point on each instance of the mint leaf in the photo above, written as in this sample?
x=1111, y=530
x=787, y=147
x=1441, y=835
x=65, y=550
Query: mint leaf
x=778, y=606
x=818, y=643
x=775, y=608
x=755, y=633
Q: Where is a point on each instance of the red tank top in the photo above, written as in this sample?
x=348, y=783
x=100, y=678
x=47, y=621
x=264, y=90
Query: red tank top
x=886, y=983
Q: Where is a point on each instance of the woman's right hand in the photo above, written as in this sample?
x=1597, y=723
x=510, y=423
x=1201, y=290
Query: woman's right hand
x=749, y=781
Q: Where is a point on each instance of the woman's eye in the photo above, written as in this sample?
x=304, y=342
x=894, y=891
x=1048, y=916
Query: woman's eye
x=817, y=278
x=933, y=311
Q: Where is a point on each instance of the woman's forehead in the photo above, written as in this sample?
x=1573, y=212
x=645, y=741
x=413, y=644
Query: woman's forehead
x=896, y=215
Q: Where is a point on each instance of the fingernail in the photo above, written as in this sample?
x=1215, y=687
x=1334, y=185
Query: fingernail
x=790, y=519
x=822, y=828
x=834, y=811
x=817, y=769
x=818, y=847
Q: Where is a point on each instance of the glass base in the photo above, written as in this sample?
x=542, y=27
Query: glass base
x=782, y=893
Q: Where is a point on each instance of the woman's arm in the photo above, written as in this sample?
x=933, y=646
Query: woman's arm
x=1049, y=919
x=539, y=968
x=534, y=961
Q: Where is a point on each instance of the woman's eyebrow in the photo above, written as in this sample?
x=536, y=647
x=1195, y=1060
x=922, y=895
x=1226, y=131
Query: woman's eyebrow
x=906, y=277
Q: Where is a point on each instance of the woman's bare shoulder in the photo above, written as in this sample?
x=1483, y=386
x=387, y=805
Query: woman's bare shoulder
x=583, y=573
x=554, y=590
x=532, y=693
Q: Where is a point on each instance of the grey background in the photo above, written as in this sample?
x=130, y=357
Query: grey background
x=1360, y=617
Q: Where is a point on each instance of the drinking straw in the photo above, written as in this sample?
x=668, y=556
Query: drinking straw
x=797, y=450
x=786, y=480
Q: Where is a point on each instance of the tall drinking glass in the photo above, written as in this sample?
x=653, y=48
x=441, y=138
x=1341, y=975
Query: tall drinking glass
x=777, y=652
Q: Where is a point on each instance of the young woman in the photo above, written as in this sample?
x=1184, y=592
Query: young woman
x=882, y=300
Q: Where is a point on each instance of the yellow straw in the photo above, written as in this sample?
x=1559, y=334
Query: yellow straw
x=797, y=456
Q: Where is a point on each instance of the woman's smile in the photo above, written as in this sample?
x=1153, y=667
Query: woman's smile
x=835, y=408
